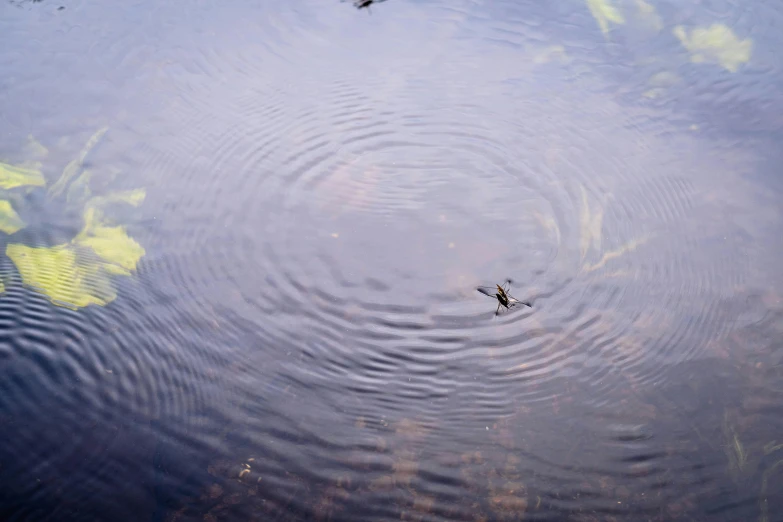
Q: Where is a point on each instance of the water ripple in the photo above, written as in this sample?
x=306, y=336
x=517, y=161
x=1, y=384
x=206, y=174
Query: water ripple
x=326, y=191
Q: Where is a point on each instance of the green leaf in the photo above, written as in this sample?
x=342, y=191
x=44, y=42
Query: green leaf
x=12, y=176
x=58, y=273
x=604, y=12
x=10, y=221
x=715, y=44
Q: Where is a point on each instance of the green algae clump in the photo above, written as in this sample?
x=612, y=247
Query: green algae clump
x=717, y=44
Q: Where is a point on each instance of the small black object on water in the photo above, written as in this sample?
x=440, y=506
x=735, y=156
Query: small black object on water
x=502, y=295
x=361, y=4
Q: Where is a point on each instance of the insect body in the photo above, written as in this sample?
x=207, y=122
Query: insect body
x=361, y=4
x=502, y=295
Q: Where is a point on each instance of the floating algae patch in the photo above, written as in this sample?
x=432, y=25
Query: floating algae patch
x=10, y=221
x=58, y=273
x=715, y=44
x=12, y=176
x=605, y=12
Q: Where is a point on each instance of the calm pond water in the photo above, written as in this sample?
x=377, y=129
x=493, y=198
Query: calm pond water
x=242, y=242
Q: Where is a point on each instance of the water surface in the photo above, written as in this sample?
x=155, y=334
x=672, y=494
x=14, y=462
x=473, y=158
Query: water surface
x=325, y=188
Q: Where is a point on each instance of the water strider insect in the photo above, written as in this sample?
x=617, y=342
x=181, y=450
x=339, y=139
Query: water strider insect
x=502, y=295
x=361, y=4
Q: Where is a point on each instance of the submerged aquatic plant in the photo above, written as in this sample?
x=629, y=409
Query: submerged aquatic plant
x=591, y=234
x=649, y=14
x=10, y=222
x=717, y=44
x=590, y=226
x=765, y=478
x=736, y=454
x=605, y=12
x=79, y=272
x=12, y=176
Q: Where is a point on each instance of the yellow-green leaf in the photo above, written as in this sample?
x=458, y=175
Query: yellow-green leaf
x=12, y=176
x=114, y=246
x=10, y=221
x=58, y=273
x=110, y=243
x=715, y=44
x=604, y=12
x=131, y=197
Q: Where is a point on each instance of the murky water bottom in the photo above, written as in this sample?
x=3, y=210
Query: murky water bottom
x=254, y=296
